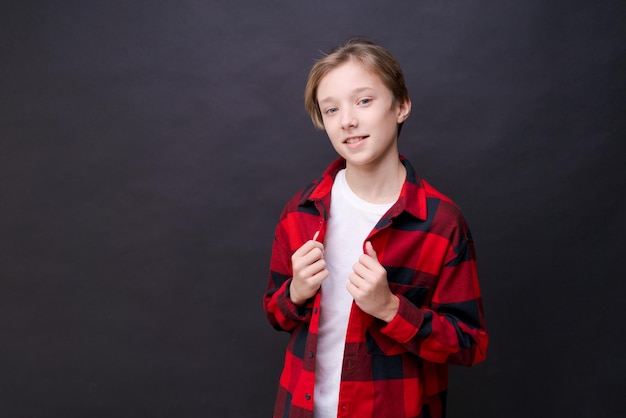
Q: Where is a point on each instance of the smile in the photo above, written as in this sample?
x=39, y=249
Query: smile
x=354, y=139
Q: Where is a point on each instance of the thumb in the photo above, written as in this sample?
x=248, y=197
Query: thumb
x=369, y=249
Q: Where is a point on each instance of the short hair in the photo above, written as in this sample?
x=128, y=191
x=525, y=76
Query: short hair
x=374, y=58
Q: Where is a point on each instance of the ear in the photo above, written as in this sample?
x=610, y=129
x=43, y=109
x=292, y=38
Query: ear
x=404, y=110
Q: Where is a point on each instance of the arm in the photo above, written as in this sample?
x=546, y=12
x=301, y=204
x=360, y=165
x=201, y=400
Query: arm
x=451, y=328
x=294, y=280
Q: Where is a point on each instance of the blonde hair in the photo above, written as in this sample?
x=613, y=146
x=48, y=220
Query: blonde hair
x=374, y=58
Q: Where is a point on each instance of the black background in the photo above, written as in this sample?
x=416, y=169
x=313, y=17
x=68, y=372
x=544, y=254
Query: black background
x=147, y=148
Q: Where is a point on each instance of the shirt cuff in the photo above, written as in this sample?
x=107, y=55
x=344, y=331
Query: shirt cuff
x=406, y=323
x=288, y=308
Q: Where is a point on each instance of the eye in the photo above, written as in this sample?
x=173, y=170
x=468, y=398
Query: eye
x=365, y=101
x=330, y=110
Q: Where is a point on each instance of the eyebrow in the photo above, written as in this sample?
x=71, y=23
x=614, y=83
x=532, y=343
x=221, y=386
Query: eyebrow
x=356, y=91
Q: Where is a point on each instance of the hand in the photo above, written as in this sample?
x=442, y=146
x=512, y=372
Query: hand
x=309, y=271
x=369, y=287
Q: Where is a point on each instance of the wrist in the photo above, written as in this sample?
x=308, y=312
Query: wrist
x=293, y=296
x=391, y=309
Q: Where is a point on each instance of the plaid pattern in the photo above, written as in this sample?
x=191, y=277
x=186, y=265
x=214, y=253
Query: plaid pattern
x=395, y=369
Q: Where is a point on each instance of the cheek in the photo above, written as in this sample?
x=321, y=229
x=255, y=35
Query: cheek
x=335, y=142
x=331, y=129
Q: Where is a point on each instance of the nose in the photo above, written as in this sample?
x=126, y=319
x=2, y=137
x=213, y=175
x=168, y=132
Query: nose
x=348, y=120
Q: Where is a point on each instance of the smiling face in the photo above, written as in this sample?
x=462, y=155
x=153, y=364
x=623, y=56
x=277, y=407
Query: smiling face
x=360, y=116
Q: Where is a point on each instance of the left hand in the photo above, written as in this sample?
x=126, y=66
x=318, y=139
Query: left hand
x=369, y=287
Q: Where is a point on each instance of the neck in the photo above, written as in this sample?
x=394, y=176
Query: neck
x=380, y=184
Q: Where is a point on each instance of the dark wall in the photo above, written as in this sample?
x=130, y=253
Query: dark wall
x=147, y=149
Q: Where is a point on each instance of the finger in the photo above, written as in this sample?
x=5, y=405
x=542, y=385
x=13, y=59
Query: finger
x=360, y=271
x=320, y=276
x=353, y=290
x=313, y=279
x=357, y=280
x=354, y=282
x=369, y=248
x=307, y=247
x=316, y=267
x=309, y=263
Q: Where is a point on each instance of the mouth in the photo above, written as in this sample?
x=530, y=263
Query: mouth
x=354, y=139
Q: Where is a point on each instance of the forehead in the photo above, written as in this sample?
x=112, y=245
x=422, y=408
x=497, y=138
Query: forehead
x=348, y=78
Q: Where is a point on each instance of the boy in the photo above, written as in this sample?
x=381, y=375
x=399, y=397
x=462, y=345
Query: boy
x=372, y=271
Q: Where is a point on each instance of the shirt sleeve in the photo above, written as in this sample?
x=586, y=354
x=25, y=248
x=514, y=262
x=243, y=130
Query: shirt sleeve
x=450, y=328
x=281, y=312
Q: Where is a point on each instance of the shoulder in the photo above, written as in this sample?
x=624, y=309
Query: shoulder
x=446, y=216
x=316, y=190
x=426, y=202
x=300, y=198
x=433, y=193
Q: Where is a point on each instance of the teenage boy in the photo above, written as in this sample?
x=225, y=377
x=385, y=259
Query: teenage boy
x=373, y=271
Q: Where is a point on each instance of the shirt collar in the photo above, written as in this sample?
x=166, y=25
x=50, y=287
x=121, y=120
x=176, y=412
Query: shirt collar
x=412, y=197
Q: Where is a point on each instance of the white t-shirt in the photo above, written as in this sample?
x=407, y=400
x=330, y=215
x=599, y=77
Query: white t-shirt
x=351, y=220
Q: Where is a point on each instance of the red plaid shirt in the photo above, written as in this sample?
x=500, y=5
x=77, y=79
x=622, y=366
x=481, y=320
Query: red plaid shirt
x=395, y=369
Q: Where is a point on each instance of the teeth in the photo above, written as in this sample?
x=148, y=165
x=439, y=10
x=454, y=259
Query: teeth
x=353, y=140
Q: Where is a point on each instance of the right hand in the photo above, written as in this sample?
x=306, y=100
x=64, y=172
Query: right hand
x=309, y=271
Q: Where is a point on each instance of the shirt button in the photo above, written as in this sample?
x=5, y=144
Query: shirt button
x=315, y=310
x=311, y=354
x=308, y=396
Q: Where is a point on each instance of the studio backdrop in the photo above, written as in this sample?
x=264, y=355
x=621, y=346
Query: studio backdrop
x=147, y=149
